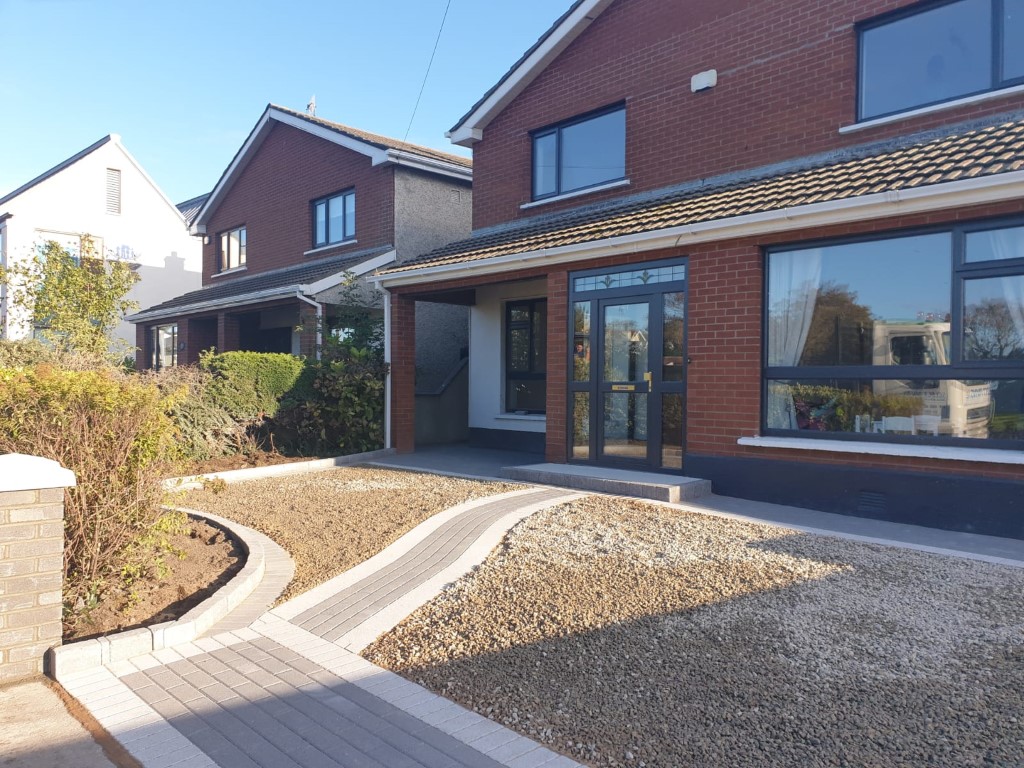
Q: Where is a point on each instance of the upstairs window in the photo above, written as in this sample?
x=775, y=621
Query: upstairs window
x=580, y=153
x=232, y=249
x=942, y=52
x=334, y=219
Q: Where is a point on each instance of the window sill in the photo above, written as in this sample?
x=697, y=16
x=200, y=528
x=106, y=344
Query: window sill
x=577, y=193
x=225, y=272
x=983, y=455
x=965, y=101
x=537, y=417
x=331, y=247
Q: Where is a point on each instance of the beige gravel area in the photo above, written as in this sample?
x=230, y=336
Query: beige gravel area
x=625, y=633
x=331, y=520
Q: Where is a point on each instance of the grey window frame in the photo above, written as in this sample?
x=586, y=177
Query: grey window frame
x=223, y=259
x=997, y=81
x=326, y=202
x=557, y=130
x=532, y=374
x=958, y=369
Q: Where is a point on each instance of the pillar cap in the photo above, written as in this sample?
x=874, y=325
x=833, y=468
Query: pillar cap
x=19, y=472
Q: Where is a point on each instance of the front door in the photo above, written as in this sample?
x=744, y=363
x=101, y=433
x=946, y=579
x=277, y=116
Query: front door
x=628, y=382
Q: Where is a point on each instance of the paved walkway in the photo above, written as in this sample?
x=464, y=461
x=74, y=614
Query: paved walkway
x=290, y=690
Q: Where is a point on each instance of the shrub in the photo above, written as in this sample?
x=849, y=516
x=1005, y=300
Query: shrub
x=205, y=428
x=16, y=354
x=249, y=385
x=338, y=407
x=113, y=431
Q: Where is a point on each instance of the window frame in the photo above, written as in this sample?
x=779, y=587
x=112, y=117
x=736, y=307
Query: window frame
x=557, y=129
x=326, y=201
x=154, y=340
x=958, y=369
x=532, y=375
x=222, y=258
x=997, y=81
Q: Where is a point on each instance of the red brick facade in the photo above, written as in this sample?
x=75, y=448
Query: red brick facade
x=787, y=83
x=272, y=199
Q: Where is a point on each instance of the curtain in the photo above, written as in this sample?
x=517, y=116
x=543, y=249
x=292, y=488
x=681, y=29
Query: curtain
x=793, y=282
x=1009, y=244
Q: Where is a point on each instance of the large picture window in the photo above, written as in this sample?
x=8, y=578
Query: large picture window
x=526, y=351
x=942, y=52
x=579, y=153
x=334, y=219
x=917, y=337
x=232, y=249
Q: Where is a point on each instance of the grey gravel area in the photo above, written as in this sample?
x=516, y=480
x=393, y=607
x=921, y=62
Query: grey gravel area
x=331, y=520
x=624, y=633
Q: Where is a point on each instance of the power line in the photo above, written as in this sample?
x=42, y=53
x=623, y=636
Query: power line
x=427, y=73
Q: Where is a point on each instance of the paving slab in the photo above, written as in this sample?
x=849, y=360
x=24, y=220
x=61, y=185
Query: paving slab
x=622, y=482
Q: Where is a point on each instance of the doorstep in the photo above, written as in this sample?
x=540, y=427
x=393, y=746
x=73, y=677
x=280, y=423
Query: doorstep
x=624, y=482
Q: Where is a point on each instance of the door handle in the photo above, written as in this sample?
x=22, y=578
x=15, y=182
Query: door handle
x=647, y=376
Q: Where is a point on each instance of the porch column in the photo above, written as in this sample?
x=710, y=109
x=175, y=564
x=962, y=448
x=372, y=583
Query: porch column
x=555, y=449
x=197, y=335
x=227, y=332
x=403, y=373
x=141, y=358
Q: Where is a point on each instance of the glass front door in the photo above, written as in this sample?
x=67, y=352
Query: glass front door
x=628, y=378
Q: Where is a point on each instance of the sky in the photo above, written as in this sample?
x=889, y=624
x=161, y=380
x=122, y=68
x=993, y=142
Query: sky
x=184, y=81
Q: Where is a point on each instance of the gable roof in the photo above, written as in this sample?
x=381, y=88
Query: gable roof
x=978, y=163
x=191, y=207
x=380, y=150
x=266, y=286
x=58, y=168
x=566, y=28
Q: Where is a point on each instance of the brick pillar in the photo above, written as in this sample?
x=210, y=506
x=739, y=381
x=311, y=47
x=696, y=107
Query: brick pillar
x=198, y=335
x=555, y=449
x=403, y=373
x=307, y=337
x=227, y=332
x=141, y=348
x=31, y=561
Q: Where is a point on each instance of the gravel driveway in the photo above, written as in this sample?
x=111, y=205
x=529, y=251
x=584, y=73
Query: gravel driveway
x=331, y=520
x=623, y=633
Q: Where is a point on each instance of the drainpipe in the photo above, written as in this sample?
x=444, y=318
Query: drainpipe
x=387, y=360
x=319, y=319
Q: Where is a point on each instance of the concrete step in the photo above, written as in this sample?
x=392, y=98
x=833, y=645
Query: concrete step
x=624, y=482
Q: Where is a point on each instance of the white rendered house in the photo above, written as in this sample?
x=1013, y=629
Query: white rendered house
x=102, y=192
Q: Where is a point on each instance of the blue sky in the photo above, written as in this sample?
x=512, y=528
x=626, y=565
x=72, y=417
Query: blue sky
x=184, y=81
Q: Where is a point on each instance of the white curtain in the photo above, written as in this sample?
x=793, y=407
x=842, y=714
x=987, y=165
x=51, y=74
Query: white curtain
x=1009, y=244
x=793, y=282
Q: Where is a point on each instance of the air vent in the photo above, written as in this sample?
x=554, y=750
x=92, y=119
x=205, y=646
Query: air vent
x=872, y=504
x=113, y=190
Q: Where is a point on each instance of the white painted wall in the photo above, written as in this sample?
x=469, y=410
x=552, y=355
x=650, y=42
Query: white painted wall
x=487, y=358
x=149, y=231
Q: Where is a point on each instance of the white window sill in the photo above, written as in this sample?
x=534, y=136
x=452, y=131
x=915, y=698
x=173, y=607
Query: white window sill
x=577, y=193
x=948, y=453
x=225, y=272
x=331, y=247
x=536, y=417
x=965, y=101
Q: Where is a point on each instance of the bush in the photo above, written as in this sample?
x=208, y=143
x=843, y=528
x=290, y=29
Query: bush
x=16, y=354
x=205, y=428
x=249, y=385
x=113, y=431
x=338, y=407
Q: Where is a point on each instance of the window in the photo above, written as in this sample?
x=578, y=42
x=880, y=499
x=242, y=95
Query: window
x=911, y=337
x=579, y=153
x=334, y=219
x=232, y=249
x=113, y=190
x=526, y=349
x=946, y=51
x=164, y=341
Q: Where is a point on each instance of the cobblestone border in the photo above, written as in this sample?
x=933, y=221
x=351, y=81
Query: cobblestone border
x=84, y=655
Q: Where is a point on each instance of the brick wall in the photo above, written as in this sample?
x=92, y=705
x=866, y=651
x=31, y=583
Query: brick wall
x=271, y=198
x=403, y=373
x=31, y=562
x=787, y=83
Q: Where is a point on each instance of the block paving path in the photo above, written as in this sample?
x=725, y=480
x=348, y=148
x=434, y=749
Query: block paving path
x=290, y=689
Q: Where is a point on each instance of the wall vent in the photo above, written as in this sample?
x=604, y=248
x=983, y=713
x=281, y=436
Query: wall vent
x=872, y=503
x=113, y=190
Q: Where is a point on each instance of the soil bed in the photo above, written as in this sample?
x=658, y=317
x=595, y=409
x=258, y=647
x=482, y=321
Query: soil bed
x=331, y=520
x=210, y=559
x=623, y=633
x=244, y=461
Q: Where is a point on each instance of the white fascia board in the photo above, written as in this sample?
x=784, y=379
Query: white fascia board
x=953, y=194
x=358, y=270
x=471, y=128
x=284, y=292
x=429, y=165
x=116, y=140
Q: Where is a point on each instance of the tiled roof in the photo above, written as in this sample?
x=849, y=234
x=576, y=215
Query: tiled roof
x=960, y=154
x=381, y=142
x=190, y=208
x=56, y=169
x=240, y=287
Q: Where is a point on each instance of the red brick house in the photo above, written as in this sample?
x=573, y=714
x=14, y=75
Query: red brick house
x=305, y=206
x=775, y=244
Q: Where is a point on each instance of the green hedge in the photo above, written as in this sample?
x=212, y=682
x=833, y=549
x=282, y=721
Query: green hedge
x=250, y=385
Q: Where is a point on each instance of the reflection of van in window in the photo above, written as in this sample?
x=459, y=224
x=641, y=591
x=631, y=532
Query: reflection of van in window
x=964, y=408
